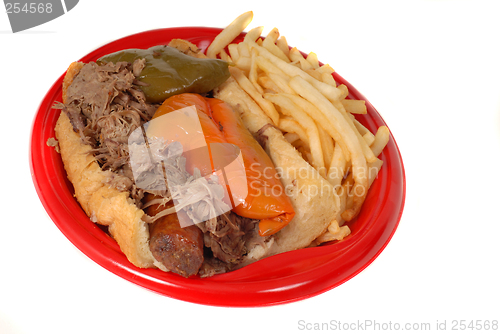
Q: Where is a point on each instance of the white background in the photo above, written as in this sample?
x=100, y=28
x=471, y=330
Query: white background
x=431, y=69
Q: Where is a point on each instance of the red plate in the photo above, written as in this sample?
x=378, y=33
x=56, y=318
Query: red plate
x=279, y=279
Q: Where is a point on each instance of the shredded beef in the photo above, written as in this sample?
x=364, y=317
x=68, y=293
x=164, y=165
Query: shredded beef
x=105, y=105
x=229, y=237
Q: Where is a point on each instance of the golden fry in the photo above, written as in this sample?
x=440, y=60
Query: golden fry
x=337, y=168
x=283, y=45
x=381, y=140
x=281, y=82
x=312, y=58
x=249, y=88
x=268, y=85
x=253, y=35
x=269, y=44
x=291, y=126
x=253, y=73
x=320, y=118
x=291, y=109
x=347, y=134
x=328, y=79
x=268, y=67
x=354, y=106
x=233, y=51
x=369, y=138
x=326, y=145
x=330, y=92
x=291, y=137
x=229, y=34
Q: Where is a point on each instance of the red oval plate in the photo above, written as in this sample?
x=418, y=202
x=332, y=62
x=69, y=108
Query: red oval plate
x=279, y=279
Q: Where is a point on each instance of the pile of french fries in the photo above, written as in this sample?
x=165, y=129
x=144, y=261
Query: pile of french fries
x=302, y=99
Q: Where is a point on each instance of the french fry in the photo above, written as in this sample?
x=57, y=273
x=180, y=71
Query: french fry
x=347, y=135
x=328, y=79
x=283, y=45
x=360, y=127
x=325, y=68
x=269, y=44
x=330, y=92
x=326, y=145
x=334, y=232
x=316, y=75
x=224, y=56
x=229, y=34
x=346, y=188
x=365, y=148
x=373, y=169
x=312, y=58
x=281, y=82
x=320, y=118
x=369, y=138
x=291, y=137
x=296, y=57
x=249, y=88
x=344, y=92
x=279, y=78
x=243, y=63
x=380, y=141
x=273, y=35
x=290, y=125
x=337, y=168
x=302, y=147
x=354, y=106
x=268, y=67
x=342, y=194
x=233, y=51
x=326, y=72
x=253, y=72
x=244, y=50
x=268, y=85
x=253, y=35
x=291, y=109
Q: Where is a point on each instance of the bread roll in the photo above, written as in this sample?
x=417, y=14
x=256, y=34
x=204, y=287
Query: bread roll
x=101, y=202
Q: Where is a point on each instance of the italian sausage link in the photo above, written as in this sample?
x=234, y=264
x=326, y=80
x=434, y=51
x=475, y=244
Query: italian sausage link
x=179, y=249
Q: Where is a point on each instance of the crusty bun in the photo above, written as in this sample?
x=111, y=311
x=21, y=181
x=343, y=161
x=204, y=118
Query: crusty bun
x=101, y=202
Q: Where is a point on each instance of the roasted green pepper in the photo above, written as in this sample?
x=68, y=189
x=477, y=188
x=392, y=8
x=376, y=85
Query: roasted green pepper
x=168, y=71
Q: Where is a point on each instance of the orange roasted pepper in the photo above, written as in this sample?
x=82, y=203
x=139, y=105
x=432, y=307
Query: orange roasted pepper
x=266, y=199
x=212, y=134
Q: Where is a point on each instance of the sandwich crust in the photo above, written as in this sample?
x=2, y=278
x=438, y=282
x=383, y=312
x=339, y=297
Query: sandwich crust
x=101, y=202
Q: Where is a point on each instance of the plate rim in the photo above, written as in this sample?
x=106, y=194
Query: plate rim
x=177, y=287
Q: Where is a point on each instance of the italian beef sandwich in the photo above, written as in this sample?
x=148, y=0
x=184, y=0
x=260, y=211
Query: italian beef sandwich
x=165, y=206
